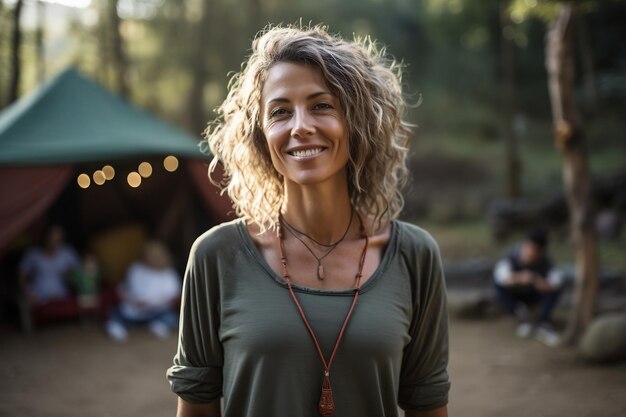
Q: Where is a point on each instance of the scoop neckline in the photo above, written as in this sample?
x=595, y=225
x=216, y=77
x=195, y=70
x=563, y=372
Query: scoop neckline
x=269, y=272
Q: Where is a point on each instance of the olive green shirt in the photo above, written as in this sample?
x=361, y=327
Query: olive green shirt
x=242, y=338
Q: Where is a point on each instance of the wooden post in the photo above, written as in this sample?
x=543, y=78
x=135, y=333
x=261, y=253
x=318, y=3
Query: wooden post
x=569, y=140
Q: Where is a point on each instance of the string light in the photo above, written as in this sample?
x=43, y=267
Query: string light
x=83, y=181
x=109, y=172
x=145, y=169
x=99, y=177
x=170, y=163
x=134, y=179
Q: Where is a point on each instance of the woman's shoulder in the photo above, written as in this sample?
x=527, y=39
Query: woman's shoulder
x=414, y=237
x=218, y=238
x=419, y=250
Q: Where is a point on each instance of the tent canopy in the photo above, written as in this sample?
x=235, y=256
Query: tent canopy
x=72, y=119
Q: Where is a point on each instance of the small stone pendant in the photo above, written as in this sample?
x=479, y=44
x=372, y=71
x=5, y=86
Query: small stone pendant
x=320, y=272
x=326, y=405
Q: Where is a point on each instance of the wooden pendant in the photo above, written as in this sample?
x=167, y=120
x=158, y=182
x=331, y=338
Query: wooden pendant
x=327, y=405
x=320, y=272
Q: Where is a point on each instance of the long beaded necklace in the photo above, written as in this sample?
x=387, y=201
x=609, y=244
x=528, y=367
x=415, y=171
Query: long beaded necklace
x=326, y=404
x=321, y=274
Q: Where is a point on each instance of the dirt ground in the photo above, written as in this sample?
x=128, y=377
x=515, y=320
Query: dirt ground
x=68, y=370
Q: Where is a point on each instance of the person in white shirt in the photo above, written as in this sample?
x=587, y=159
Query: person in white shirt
x=526, y=277
x=149, y=295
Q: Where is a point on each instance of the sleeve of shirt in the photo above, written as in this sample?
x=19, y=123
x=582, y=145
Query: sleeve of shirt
x=424, y=382
x=196, y=375
x=502, y=272
x=555, y=278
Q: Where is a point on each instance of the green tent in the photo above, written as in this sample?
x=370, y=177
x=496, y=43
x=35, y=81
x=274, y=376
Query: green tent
x=72, y=125
x=72, y=119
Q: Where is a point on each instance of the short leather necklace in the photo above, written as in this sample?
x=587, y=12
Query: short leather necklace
x=312, y=239
x=321, y=274
x=326, y=403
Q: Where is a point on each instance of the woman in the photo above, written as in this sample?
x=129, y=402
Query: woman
x=316, y=301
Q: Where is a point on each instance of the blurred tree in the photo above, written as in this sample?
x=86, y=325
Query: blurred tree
x=513, y=160
x=16, y=44
x=39, y=35
x=120, y=62
x=570, y=141
x=3, y=65
x=200, y=70
x=102, y=45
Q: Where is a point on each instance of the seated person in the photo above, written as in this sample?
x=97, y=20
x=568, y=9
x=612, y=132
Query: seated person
x=525, y=277
x=43, y=270
x=149, y=295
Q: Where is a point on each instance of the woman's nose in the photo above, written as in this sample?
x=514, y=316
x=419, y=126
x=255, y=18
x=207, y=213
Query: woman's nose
x=302, y=124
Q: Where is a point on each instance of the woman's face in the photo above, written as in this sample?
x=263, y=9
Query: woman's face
x=304, y=125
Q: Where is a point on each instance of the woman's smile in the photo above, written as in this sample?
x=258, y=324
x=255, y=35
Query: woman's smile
x=304, y=125
x=306, y=154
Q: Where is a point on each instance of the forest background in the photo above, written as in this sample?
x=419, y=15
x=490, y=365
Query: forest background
x=475, y=71
x=476, y=68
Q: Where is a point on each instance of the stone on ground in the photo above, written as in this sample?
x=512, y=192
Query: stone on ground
x=605, y=339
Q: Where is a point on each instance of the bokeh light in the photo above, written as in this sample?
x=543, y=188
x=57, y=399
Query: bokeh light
x=109, y=172
x=134, y=179
x=98, y=177
x=145, y=169
x=170, y=163
x=83, y=181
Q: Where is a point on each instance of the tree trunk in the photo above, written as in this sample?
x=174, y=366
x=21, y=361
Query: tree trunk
x=16, y=43
x=512, y=158
x=103, y=70
x=202, y=37
x=569, y=140
x=120, y=61
x=39, y=34
x=2, y=85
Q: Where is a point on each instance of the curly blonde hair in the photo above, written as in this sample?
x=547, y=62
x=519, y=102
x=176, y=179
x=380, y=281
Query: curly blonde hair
x=368, y=87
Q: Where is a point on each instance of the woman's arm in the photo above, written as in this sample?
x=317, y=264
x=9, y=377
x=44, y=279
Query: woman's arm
x=187, y=409
x=438, y=412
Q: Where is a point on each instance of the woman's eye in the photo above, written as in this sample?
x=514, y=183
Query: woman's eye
x=322, y=106
x=278, y=112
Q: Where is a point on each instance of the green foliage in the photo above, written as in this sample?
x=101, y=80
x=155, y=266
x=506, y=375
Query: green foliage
x=522, y=10
x=547, y=9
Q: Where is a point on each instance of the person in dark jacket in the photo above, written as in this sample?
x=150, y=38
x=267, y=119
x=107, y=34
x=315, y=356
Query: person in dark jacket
x=524, y=278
